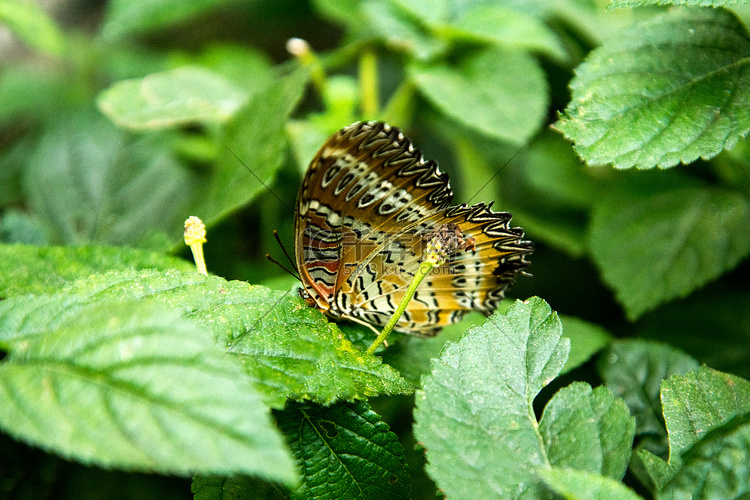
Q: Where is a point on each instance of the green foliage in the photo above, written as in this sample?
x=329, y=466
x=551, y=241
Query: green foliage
x=669, y=90
x=345, y=451
x=118, y=123
x=487, y=383
x=100, y=387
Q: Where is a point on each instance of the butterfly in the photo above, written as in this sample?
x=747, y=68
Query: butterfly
x=367, y=207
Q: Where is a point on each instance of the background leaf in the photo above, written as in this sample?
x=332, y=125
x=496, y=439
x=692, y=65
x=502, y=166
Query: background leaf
x=707, y=414
x=664, y=242
x=634, y=370
x=100, y=387
x=31, y=24
x=498, y=92
x=189, y=94
x=671, y=89
x=344, y=451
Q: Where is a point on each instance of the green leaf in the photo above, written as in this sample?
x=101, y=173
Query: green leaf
x=586, y=339
x=671, y=89
x=498, y=92
x=588, y=430
x=659, y=243
x=686, y=324
x=234, y=488
x=345, y=452
x=401, y=30
x=699, y=401
x=124, y=17
x=708, y=418
x=412, y=356
x=30, y=23
x=189, y=94
x=634, y=370
x=136, y=387
x=475, y=412
x=256, y=138
x=88, y=184
x=583, y=485
x=502, y=26
x=27, y=269
x=289, y=349
x=615, y=4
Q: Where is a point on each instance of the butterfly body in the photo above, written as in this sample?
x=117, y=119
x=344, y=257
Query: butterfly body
x=367, y=206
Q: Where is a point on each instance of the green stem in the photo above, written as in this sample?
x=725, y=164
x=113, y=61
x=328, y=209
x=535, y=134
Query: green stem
x=423, y=270
x=368, y=81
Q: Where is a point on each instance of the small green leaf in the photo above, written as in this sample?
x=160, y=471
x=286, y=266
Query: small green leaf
x=253, y=149
x=498, y=92
x=634, y=370
x=31, y=24
x=586, y=339
x=136, y=387
x=289, y=349
x=671, y=89
x=475, y=413
x=124, y=17
x=660, y=243
x=345, y=452
x=26, y=269
x=588, y=430
x=582, y=485
x=189, y=94
x=502, y=26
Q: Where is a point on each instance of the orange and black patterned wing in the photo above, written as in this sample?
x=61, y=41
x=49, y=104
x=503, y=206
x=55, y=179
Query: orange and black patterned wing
x=365, y=182
x=365, y=209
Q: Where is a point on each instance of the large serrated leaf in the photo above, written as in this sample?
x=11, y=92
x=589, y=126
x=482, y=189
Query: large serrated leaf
x=501, y=93
x=671, y=89
x=288, y=348
x=27, y=269
x=475, y=415
x=662, y=243
x=345, y=452
x=134, y=386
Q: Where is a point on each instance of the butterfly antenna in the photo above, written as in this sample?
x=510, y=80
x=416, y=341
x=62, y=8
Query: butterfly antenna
x=498, y=172
x=283, y=249
x=295, y=275
x=259, y=180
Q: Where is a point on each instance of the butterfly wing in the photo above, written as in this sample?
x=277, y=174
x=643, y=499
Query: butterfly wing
x=365, y=180
x=364, y=209
x=470, y=279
